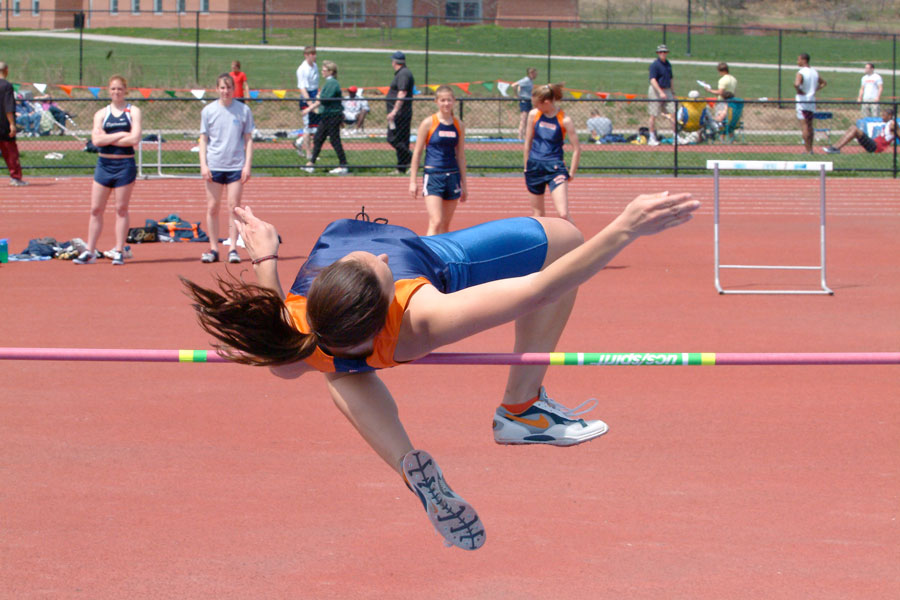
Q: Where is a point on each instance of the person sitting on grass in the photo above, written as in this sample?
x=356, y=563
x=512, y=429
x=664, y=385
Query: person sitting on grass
x=373, y=296
x=879, y=143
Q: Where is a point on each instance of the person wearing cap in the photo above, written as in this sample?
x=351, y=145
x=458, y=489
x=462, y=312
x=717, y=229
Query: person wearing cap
x=399, y=109
x=660, y=92
x=355, y=110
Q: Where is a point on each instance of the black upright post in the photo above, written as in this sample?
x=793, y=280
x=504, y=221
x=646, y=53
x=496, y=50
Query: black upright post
x=197, y=46
x=79, y=23
x=779, y=69
x=549, y=44
x=689, y=29
x=264, y=40
x=895, y=140
x=894, y=78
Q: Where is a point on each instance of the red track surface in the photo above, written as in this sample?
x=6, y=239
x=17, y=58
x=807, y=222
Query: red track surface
x=200, y=481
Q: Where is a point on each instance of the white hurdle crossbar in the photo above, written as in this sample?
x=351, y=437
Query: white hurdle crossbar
x=772, y=165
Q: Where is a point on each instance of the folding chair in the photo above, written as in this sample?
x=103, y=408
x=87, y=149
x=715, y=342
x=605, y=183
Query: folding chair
x=822, y=124
x=734, y=124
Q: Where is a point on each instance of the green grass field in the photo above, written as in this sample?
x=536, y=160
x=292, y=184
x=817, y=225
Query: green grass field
x=169, y=67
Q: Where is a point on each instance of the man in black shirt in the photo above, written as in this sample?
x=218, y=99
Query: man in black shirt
x=399, y=115
x=8, y=127
x=660, y=91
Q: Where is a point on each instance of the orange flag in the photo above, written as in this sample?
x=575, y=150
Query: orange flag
x=384, y=90
x=67, y=89
x=463, y=86
x=145, y=92
x=602, y=95
x=630, y=97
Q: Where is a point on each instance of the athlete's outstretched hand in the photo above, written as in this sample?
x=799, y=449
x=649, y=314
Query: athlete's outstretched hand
x=651, y=213
x=260, y=238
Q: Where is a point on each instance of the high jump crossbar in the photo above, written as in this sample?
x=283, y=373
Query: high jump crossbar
x=484, y=358
x=772, y=165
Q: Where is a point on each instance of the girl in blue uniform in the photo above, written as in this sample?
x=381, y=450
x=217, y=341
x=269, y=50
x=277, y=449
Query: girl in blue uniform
x=374, y=296
x=443, y=137
x=545, y=134
x=117, y=128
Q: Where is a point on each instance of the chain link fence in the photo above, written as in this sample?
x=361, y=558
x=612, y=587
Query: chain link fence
x=751, y=130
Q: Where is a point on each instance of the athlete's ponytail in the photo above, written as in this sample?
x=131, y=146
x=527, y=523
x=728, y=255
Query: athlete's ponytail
x=548, y=91
x=251, y=322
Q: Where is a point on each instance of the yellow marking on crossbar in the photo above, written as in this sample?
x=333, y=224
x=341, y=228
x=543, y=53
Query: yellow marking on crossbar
x=707, y=358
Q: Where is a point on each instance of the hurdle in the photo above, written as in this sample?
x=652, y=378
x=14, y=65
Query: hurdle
x=159, y=162
x=771, y=165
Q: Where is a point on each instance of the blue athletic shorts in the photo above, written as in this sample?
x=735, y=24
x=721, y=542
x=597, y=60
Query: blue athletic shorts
x=445, y=185
x=490, y=251
x=225, y=177
x=115, y=172
x=541, y=173
x=525, y=105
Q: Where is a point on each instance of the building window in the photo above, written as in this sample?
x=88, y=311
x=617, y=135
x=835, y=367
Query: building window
x=463, y=10
x=179, y=6
x=17, y=7
x=345, y=11
x=204, y=6
x=157, y=6
x=135, y=7
x=36, y=7
x=113, y=7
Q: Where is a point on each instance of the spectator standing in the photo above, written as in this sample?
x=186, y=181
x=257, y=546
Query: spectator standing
x=116, y=131
x=330, y=107
x=443, y=137
x=399, y=107
x=598, y=126
x=524, y=87
x=870, y=90
x=8, y=146
x=544, y=159
x=308, y=84
x=661, y=91
x=355, y=110
x=807, y=82
x=241, y=87
x=226, y=157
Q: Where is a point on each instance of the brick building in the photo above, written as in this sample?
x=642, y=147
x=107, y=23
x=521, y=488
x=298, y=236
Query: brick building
x=234, y=14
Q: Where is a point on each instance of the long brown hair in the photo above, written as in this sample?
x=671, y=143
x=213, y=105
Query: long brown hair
x=345, y=307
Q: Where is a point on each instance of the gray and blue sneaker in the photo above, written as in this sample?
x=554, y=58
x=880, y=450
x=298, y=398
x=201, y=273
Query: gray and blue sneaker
x=547, y=422
x=452, y=517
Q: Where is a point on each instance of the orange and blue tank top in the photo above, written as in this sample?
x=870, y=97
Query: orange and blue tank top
x=412, y=263
x=440, y=152
x=549, y=136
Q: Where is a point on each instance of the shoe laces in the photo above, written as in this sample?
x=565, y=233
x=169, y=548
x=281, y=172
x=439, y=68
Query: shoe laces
x=569, y=413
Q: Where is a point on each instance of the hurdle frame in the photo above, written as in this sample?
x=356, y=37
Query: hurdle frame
x=769, y=165
x=159, y=163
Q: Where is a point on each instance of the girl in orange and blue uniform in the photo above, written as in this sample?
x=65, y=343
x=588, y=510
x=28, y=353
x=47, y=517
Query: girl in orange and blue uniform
x=545, y=134
x=442, y=136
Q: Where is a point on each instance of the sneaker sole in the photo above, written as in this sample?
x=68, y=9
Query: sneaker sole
x=452, y=517
x=550, y=440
